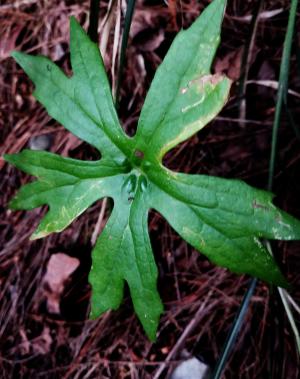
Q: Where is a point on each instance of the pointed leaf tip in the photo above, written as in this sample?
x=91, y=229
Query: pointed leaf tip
x=73, y=20
x=78, y=33
x=189, y=95
x=17, y=56
x=6, y=157
x=13, y=53
x=74, y=24
x=11, y=158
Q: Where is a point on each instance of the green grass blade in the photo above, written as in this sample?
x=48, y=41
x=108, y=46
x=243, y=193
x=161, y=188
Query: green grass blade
x=128, y=20
x=236, y=326
x=282, y=88
x=94, y=20
x=281, y=97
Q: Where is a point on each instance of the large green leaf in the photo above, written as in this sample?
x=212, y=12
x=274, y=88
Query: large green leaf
x=224, y=219
x=82, y=103
x=67, y=186
x=123, y=252
x=184, y=96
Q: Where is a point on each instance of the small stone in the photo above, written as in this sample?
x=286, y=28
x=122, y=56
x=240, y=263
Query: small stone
x=42, y=142
x=191, y=369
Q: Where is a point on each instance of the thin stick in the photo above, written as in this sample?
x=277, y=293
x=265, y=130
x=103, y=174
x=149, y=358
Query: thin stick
x=187, y=331
x=106, y=26
x=285, y=301
x=247, y=55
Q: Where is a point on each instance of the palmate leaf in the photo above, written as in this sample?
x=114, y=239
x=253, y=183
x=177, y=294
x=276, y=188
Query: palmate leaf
x=224, y=219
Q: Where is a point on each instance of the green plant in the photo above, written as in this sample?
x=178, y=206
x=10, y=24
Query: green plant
x=224, y=219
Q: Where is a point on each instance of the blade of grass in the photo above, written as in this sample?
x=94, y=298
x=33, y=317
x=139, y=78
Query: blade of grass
x=236, y=326
x=128, y=20
x=287, y=307
x=282, y=100
x=234, y=331
x=281, y=97
x=93, y=20
x=282, y=88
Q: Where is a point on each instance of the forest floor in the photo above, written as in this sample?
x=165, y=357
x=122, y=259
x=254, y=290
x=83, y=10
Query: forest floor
x=44, y=297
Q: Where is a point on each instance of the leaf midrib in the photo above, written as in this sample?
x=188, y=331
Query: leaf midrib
x=191, y=206
x=60, y=171
x=106, y=132
x=203, y=221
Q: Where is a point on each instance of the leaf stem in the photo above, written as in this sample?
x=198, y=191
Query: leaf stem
x=93, y=20
x=128, y=20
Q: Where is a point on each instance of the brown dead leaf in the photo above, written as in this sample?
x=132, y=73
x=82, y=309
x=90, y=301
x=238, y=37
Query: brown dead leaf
x=59, y=269
x=230, y=64
x=42, y=344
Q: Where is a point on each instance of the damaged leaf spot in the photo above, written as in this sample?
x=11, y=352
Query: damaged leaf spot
x=139, y=154
x=198, y=90
x=256, y=205
x=202, y=81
